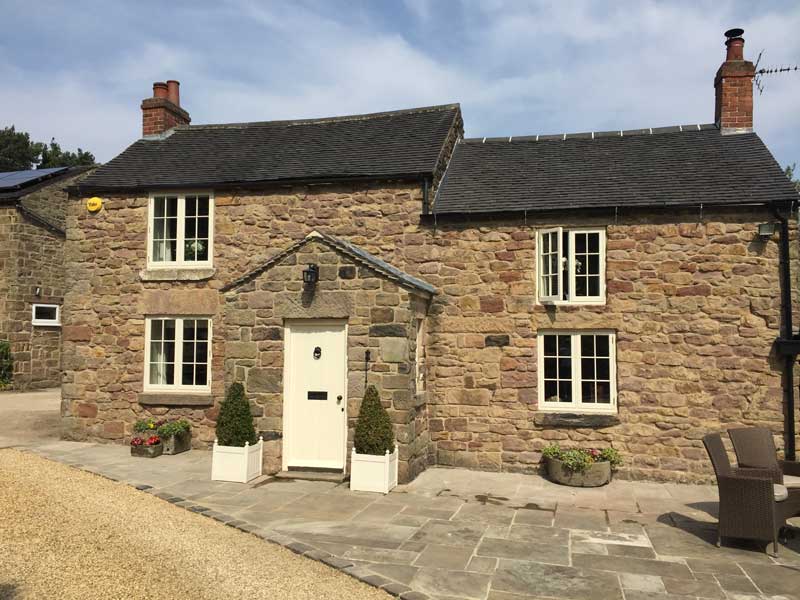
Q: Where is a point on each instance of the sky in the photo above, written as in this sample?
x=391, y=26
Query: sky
x=78, y=70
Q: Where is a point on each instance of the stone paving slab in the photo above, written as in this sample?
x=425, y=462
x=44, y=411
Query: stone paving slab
x=457, y=534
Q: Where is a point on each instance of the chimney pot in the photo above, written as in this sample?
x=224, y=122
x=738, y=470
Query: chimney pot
x=160, y=89
x=163, y=111
x=174, y=91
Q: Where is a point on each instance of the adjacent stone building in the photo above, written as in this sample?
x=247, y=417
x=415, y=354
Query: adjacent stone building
x=608, y=288
x=32, y=221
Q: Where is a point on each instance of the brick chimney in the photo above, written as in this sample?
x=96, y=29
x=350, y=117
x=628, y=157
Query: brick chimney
x=734, y=88
x=163, y=111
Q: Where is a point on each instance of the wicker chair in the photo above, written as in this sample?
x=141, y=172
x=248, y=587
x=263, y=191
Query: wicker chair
x=751, y=505
x=755, y=448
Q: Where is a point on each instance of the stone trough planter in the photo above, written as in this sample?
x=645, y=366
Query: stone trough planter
x=595, y=475
x=147, y=451
x=175, y=444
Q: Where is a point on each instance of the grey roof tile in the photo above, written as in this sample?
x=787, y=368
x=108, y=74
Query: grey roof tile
x=672, y=166
x=399, y=143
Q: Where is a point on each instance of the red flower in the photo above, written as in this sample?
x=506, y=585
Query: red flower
x=153, y=440
x=136, y=441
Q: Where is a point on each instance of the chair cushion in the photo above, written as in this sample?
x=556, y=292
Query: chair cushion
x=780, y=491
x=791, y=481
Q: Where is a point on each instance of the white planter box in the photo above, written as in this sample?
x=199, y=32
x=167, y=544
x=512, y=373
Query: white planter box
x=369, y=473
x=234, y=463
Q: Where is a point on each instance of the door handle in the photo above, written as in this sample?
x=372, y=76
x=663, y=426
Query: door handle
x=338, y=399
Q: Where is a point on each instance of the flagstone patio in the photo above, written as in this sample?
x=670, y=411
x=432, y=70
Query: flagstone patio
x=463, y=534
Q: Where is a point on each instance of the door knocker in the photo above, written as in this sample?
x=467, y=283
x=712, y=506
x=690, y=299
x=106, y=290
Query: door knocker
x=317, y=353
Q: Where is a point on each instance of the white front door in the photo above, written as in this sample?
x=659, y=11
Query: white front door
x=315, y=394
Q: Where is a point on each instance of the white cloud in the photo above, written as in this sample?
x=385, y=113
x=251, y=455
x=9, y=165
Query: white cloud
x=517, y=68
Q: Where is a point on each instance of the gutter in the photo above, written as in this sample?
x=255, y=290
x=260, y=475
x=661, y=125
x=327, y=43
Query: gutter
x=788, y=345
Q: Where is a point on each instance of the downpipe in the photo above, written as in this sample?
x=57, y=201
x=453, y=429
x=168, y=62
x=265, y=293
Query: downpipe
x=786, y=333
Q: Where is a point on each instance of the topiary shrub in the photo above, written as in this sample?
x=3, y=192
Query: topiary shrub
x=235, y=421
x=374, y=434
x=6, y=365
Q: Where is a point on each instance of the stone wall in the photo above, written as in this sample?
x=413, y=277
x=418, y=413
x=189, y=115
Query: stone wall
x=31, y=257
x=381, y=318
x=107, y=301
x=694, y=299
x=695, y=306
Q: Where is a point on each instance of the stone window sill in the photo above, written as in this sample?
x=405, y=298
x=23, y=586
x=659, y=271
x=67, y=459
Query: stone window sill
x=166, y=399
x=553, y=419
x=177, y=274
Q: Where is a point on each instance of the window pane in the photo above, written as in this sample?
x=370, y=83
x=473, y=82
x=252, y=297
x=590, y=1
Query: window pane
x=601, y=342
x=550, y=345
x=587, y=345
x=187, y=374
x=594, y=286
x=565, y=368
x=603, y=371
x=550, y=368
x=587, y=392
x=580, y=243
x=594, y=242
x=201, y=375
x=172, y=206
x=551, y=391
x=202, y=329
x=156, y=327
x=201, y=352
x=46, y=313
x=159, y=205
x=202, y=206
x=564, y=345
x=188, y=329
x=587, y=368
x=580, y=286
x=603, y=392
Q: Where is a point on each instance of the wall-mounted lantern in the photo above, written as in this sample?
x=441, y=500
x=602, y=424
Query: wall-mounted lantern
x=311, y=275
x=766, y=231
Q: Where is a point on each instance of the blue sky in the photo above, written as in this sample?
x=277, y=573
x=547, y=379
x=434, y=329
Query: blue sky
x=78, y=70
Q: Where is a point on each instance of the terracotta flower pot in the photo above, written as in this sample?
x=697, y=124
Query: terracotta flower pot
x=595, y=475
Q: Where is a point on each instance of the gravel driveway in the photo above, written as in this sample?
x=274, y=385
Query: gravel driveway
x=66, y=534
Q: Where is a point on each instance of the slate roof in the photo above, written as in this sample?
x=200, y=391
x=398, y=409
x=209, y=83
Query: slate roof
x=351, y=250
x=672, y=166
x=403, y=143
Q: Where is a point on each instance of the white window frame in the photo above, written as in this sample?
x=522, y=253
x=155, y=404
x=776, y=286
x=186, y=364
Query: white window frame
x=46, y=322
x=179, y=261
x=177, y=387
x=558, y=299
x=578, y=406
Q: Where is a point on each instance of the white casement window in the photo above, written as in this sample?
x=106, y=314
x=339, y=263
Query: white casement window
x=180, y=230
x=46, y=315
x=420, y=357
x=177, y=354
x=571, y=265
x=577, y=371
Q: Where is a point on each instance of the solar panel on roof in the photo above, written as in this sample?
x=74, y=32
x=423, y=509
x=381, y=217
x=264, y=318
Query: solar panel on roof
x=16, y=179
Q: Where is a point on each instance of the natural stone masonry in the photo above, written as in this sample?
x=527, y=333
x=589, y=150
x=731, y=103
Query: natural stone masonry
x=31, y=257
x=692, y=295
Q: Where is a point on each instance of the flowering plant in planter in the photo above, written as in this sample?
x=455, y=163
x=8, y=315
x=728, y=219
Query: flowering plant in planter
x=147, y=425
x=581, y=467
x=177, y=436
x=150, y=447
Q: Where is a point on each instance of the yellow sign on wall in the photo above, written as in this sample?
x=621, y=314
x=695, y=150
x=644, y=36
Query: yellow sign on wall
x=94, y=204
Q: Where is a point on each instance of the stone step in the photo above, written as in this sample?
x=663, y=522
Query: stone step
x=332, y=476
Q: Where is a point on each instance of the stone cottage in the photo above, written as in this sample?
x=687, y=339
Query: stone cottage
x=621, y=288
x=32, y=215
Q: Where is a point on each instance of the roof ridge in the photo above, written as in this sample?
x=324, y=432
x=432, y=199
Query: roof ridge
x=319, y=120
x=591, y=135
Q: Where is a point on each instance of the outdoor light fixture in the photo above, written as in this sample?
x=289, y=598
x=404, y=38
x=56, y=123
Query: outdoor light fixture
x=766, y=231
x=311, y=275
